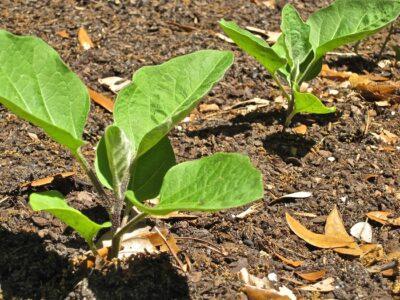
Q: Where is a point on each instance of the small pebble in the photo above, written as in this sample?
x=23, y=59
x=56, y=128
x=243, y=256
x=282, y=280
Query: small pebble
x=272, y=277
x=331, y=159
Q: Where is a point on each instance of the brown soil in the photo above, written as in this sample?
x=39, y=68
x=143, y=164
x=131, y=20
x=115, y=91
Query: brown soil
x=36, y=249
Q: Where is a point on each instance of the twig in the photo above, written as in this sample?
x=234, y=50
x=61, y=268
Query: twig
x=206, y=243
x=4, y=199
x=180, y=263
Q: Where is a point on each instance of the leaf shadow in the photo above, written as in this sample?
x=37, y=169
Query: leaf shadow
x=31, y=268
x=290, y=147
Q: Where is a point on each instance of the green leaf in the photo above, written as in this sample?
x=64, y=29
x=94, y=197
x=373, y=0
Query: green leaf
x=254, y=46
x=150, y=169
x=54, y=203
x=348, y=21
x=119, y=158
x=296, y=34
x=161, y=96
x=37, y=86
x=308, y=103
x=212, y=183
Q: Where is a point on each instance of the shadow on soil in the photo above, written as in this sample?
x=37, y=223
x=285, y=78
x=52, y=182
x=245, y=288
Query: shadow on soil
x=29, y=270
x=288, y=146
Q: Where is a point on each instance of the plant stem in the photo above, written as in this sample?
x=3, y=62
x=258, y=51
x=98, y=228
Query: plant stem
x=281, y=87
x=127, y=213
x=290, y=111
x=92, y=176
x=386, y=41
x=116, y=240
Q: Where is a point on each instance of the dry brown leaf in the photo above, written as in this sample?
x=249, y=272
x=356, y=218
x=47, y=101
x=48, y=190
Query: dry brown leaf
x=63, y=33
x=348, y=251
x=383, y=217
x=334, y=227
x=47, y=180
x=373, y=253
x=301, y=129
x=84, y=39
x=254, y=293
x=312, y=276
x=102, y=100
x=315, y=239
x=287, y=261
x=325, y=285
x=372, y=90
x=333, y=74
x=208, y=107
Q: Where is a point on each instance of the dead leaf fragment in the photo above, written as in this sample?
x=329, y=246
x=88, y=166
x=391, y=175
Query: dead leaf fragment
x=204, y=108
x=388, y=138
x=325, y=285
x=84, y=39
x=334, y=227
x=47, y=180
x=114, y=83
x=63, y=33
x=312, y=276
x=384, y=218
x=102, y=100
x=333, y=74
x=287, y=261
x=301, y=129
x=315, y=239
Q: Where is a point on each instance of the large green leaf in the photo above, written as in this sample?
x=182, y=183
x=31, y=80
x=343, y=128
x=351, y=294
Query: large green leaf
x=308, y=103
x=148, y=170
x=213, y=183
x=254, y=46
x=296, y=34
x=54, y=203
x=119, y=158
x=348, y=21
x=36, y=85
x=161, y=96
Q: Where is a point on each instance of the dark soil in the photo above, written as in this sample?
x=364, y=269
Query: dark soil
x=36, y=249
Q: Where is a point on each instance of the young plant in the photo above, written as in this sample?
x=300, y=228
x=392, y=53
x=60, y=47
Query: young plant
x=134, y=158
x=297, y=55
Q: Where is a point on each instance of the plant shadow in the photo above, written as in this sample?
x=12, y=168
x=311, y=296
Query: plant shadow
x=30, y=268
x=290, y=147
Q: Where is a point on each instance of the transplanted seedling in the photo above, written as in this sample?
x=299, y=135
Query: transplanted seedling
x=297, y=55
x=135, y=158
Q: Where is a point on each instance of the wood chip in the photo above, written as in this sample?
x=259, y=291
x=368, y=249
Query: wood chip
x=102, y=100
x=114, y=83
x=84, y=39
x=301, y=129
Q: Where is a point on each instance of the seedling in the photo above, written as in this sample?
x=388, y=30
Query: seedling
x=297, y=55
x=134, y=158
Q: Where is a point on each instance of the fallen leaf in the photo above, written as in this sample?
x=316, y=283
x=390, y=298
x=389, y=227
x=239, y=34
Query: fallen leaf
x=47, y=180
x=252, y=209
x=273, y=36
x=373, y=255
x=261, y=289
x=287, y=261
x=301, y=129
x=63, y=33
x=84, y=39
x=297, y=195
x=333, y=74
x=312, y=276
x=208, y=107
x=115, y=84
x=372, y=90
x=102, y=100
x=384, y=218
x=362, y=231
x=325, y=285
x=315, y=239
x=224, y=38
x=334, y=227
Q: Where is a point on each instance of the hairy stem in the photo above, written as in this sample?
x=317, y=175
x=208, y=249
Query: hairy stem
x=290, y=111
x=127, y=213
x=387, y=39
x=116, y=240
x=281, y=87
